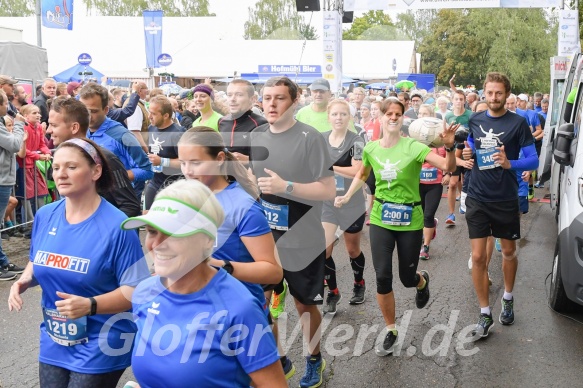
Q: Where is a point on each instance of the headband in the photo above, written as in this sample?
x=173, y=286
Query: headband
x=204, y=88
x=174, y=218
x=88, y=148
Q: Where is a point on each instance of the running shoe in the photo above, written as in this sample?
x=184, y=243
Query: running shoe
x=530, y=192
x=331, y=301
x=313, y=376
x=358, y=293
x=5, y=236
x=457, y=198
x=277, y=305
x=7, y=275
x=387, y=346
x=497, y=245
x=482, y=329
x=435, y=230
x=450, y=220
x=288, y=368
x=507, y=313
x=11, y=267
x=462, y=211
x=538, y=185
x=422, y=296
x=424, y=253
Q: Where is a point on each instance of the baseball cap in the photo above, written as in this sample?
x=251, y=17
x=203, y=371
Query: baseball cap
x=522, y=97
x=173, y=218
x=4, y=79
x=71, y=86
x=320, y=84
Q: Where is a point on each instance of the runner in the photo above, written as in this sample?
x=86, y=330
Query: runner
x=294, y=179
x=345, y=148
x=245, y=246
x=163, y=137
x=215, y=319
x=203, y=96
x=396, y=217
x=495, y=140
x=87, y=268
x=431, y=181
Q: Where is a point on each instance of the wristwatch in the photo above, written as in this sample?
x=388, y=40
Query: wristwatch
x=449, y=149
x=228, y=267
x=93, y=306
x=289, y=188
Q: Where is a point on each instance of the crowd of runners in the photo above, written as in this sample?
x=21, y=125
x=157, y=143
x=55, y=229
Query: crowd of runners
x=246, y=193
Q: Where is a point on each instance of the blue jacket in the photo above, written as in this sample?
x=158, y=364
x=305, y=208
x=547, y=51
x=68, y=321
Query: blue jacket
x=113, y=136
x=120, y=114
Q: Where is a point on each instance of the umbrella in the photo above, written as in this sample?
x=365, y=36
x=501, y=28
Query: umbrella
x=171, y=88
x=378, y=85
x=121, y=83
x=405, y=84
x=72, y=74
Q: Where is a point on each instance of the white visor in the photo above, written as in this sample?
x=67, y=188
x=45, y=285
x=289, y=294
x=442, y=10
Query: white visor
x=173, y=218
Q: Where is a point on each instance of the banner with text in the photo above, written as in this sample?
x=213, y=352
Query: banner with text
x=403, y=5
x=332, y=40
x=569, y=33
x=153, y=37
x=57, y=14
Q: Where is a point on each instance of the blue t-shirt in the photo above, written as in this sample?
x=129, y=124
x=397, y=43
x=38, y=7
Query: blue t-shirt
x=213, y=337
x=511, y=130
x=531, y=117
x=90, y=258
x=244, y=217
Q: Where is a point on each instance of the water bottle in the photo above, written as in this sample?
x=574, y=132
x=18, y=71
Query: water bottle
x=131, y=384
x=158, y=168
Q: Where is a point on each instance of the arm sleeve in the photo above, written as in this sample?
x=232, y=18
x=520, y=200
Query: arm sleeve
x=471, y=143
x=529, y=162
x=141, y=165
x=11, y=142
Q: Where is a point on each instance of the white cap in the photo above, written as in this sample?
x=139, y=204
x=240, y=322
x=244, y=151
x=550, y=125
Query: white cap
x=522, y=97
x=173, y=218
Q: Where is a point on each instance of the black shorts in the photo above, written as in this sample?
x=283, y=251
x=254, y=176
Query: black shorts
x=458, y=171
x=499, y=219
x=349, y=219
x=538, y=146
x=307, y=284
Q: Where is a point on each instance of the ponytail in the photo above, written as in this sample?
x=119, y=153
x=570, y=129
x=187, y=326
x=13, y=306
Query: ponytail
x=213, y=142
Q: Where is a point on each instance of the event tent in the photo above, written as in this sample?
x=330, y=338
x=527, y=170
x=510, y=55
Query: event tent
x=72, y=74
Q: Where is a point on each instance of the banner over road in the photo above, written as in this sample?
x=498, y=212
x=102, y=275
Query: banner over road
x=403, y=5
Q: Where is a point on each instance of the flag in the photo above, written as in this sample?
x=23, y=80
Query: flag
x=153, y=37
x=57, y=14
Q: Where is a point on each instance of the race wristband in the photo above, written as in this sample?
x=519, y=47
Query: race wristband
x=165, y=162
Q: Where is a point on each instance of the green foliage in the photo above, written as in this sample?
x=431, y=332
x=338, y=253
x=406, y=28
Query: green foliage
x=17, y=8
x=183, y=8
x=471, y=43
x=372, y=20
x=277, y=19
x=416, y=24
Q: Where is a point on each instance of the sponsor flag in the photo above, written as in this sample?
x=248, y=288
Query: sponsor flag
x=153, y=37
x=57, y=14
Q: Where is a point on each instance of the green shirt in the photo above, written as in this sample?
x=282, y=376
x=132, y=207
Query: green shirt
x=463, y=119
x=318, y=120
x=212, y=122
x=397, y=171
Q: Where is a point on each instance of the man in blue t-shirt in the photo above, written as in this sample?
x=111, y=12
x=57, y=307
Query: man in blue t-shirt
x=496, y=138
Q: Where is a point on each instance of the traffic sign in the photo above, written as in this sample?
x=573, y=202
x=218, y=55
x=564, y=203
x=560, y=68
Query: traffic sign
x=84, y=59
x=164, y=59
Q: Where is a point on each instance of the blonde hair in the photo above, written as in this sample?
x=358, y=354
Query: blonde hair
x=28, y=108
x=337, y=101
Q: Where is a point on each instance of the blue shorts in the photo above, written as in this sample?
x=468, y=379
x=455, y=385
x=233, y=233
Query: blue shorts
x=523, y=204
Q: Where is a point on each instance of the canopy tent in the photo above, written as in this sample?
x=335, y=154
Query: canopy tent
x=72, y=74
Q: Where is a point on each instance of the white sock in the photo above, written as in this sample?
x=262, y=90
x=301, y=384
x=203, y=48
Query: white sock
x=507, y=295
x=485, y=310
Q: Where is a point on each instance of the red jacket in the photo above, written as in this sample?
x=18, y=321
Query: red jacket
x=36, y=142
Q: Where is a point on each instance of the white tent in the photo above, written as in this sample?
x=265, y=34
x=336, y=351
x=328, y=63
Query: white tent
x=199, y=49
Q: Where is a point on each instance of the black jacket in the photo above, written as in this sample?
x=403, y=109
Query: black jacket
x=121, y=114
x=122, y=194
x=235, y=132
x=187, y=119
x=41, y=102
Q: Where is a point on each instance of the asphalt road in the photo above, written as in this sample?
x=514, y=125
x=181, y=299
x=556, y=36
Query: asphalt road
x=541, y=349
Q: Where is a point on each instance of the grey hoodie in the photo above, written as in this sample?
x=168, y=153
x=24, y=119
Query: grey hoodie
x=10, y=144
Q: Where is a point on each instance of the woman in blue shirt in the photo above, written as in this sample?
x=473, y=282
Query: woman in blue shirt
x=197, y=326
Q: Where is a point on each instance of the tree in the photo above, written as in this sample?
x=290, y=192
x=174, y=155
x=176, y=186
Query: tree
x=15, y=8
x=471, y=43
x=416, y=24
x=361, y=26
x=277, y=19
x=183, y=8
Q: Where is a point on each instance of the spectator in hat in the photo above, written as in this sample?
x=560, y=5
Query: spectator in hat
x=73, y=88
x=315, y=114
x=7, y=85
x=203, y=96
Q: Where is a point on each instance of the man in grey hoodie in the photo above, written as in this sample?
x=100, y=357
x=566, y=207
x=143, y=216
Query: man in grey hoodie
x=10, y=143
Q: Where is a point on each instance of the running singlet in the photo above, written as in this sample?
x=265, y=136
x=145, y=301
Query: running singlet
x=342, y=156
x=298, y=155
x=213, y=337
x=396, y=171
x=86, y=259
x=432, y=175
x=490, y=182
x=244, y=217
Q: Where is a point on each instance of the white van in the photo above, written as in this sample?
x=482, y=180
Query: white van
x=566, y=188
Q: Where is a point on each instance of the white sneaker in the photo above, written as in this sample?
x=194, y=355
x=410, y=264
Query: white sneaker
x=470, y=263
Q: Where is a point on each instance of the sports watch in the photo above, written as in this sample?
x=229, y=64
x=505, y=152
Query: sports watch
x=289, y=188
x=228, y=267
